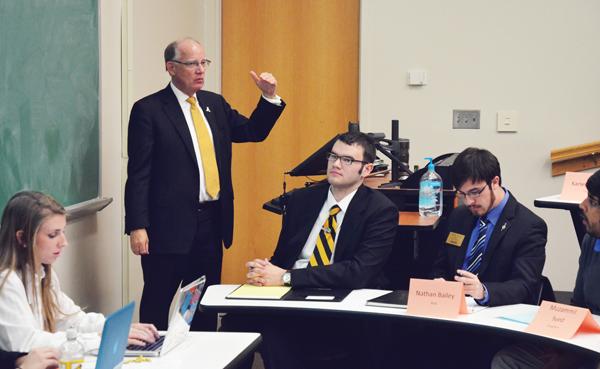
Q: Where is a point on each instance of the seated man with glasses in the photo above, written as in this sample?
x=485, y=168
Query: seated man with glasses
x=586, y=294
x=494, y=245
x=336, y=234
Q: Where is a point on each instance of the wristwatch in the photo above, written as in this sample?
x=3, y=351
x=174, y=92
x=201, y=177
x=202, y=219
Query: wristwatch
x=287, y=278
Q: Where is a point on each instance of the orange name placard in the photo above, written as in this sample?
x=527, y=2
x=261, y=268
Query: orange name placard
x=562, y=321
x=436, y=298
x=574, y=186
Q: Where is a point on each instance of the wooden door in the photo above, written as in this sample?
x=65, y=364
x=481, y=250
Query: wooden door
x=312, y=48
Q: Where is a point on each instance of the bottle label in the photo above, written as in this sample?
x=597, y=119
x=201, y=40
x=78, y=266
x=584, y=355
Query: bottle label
x=71, y=364
x=429, y=192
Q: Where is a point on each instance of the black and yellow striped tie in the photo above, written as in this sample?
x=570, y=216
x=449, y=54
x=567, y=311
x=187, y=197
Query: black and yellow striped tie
x=326, y=240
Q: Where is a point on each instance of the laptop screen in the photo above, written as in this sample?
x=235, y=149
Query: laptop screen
x=114, y=338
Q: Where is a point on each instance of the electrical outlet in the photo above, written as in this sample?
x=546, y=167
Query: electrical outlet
x=465, y=119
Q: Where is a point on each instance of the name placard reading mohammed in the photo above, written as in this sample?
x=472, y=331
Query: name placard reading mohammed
x=436, y=298
x=562, y=321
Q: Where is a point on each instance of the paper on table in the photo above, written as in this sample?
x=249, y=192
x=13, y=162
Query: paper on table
x=523, y=318
x=473, y=306
x=248, y=291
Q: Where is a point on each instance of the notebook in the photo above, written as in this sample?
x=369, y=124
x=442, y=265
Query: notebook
x=187, y=299
x=114, y=338
x=396, y=299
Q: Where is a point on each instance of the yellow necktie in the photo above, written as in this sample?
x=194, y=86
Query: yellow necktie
x=207, y=150
x=326, y=240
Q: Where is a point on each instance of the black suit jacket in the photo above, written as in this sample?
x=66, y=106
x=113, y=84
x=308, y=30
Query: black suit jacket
x=162, y=189
x=363, y=245
x=514, y=258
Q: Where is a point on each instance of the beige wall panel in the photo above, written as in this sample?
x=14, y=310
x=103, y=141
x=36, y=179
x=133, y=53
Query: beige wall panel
x=312, y=49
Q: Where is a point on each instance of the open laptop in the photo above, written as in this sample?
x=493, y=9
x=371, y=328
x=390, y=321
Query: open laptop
x=114, y=338
x=187, y=299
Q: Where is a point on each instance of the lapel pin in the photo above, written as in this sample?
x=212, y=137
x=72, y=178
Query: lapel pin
x=503, y=227
x=207, y=109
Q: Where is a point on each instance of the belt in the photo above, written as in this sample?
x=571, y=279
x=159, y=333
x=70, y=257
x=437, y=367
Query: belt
x=207, y=205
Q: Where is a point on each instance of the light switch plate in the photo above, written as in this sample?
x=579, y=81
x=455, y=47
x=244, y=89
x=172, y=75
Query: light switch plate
x=417, y=77
x=507, y=120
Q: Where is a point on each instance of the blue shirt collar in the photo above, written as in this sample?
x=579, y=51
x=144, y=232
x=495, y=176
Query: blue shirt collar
x=494, y=214
x=597, y=245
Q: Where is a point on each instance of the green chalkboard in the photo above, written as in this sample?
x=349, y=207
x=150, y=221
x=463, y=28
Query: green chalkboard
x=49, y=72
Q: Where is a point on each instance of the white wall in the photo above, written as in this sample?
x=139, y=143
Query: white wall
x=91, y=267
x=538, y=57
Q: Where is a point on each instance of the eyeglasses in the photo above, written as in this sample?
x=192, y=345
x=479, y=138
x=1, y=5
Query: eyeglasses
x=473, y=194
x=594, y=201
x=345, y=160
x=194, y=64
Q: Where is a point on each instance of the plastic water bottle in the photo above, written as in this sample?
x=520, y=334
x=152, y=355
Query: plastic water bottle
x=430, y=192
x=71, y=352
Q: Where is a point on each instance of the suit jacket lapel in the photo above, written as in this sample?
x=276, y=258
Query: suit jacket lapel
x=307, y=217
x=173, y=111
x=500, y=230
x=351, y=223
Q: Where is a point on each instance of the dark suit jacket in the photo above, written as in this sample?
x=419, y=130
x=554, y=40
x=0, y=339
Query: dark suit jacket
x=514, y=258
x=161, y=193
x=364, y=242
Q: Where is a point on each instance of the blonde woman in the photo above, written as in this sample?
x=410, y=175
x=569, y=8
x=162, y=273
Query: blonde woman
x=34, y=312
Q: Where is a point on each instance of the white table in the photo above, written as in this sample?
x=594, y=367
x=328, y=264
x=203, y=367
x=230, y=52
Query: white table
x=206, y=350
x=355, y=303
x=555, y=202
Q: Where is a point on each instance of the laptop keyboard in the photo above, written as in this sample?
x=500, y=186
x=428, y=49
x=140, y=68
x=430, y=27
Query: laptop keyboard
x=149, y=347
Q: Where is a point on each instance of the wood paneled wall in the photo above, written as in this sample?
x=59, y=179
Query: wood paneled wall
x=312, y=48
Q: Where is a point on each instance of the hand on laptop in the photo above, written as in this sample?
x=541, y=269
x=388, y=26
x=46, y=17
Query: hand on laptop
x=262, y=273
x=142, y=333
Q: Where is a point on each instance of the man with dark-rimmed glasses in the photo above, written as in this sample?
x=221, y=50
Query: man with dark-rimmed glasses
x=494, y=245
x=179, y=190
x=336, y=234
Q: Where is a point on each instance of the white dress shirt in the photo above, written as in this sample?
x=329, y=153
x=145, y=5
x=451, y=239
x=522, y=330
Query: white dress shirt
x=310, y=244
x=21, y=320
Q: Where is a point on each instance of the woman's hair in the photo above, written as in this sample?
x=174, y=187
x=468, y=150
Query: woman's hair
x=24, y=214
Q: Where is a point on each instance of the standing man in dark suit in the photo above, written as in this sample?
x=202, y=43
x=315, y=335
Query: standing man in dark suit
x=337, y=234
x=179, y=195
x=494, y=245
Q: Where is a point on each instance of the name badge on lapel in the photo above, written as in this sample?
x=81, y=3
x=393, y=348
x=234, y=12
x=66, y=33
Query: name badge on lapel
x=455, y=239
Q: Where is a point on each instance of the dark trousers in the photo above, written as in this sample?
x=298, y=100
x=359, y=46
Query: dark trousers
x=164, y=272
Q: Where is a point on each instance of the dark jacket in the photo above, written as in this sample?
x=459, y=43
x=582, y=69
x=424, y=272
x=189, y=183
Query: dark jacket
x=161, y=193
x=513, y=260
x=363, y=245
